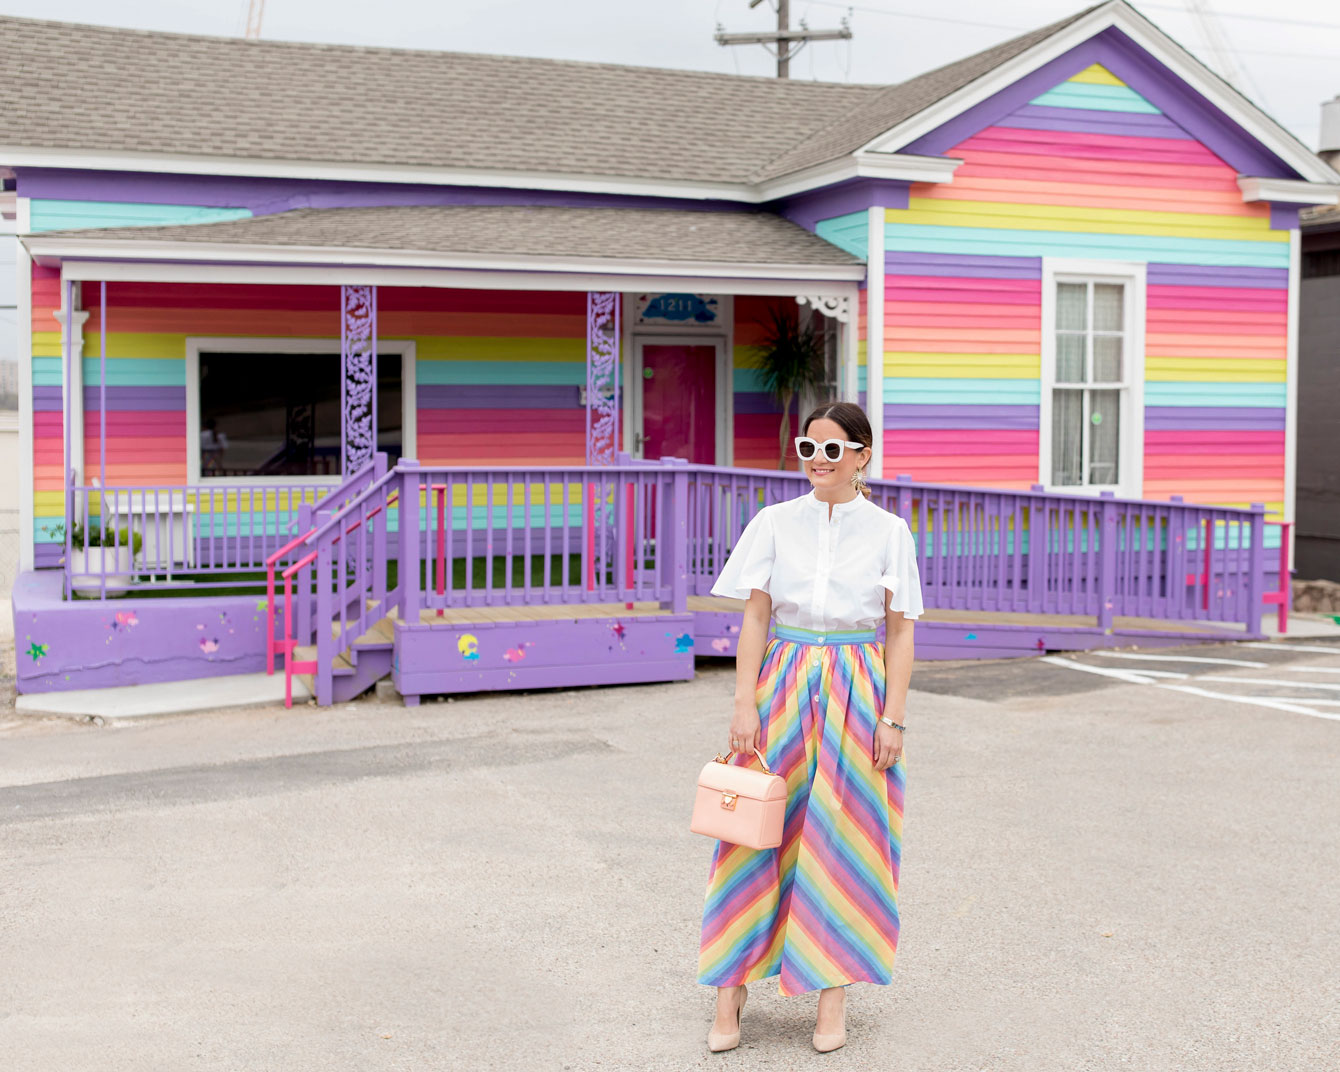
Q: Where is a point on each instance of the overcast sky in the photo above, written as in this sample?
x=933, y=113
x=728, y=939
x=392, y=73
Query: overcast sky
x=1288, y=50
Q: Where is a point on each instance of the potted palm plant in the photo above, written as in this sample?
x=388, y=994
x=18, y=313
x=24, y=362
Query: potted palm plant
x=95, y=552
x=790, y=361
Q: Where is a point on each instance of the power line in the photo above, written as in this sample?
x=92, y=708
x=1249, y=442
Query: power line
x=1253, y=18
x=1023, y=29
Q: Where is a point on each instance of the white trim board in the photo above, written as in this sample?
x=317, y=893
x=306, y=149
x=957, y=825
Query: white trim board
x=462, y=279
x=24, y=354
x=47, y=246
x=908, y=167
x=406, y=348
x=1291, y=384
x=1132, y=430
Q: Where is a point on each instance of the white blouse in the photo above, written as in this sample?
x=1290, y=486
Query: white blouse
x=826, y=575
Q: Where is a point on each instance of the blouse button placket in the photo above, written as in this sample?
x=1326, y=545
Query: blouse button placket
x=827, y=547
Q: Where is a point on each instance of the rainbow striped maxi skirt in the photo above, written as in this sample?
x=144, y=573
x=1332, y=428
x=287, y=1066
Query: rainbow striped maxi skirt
x=821, y=910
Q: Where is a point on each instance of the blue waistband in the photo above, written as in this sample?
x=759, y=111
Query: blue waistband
x=813, y=636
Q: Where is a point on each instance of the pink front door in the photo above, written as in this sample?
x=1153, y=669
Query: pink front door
x=679, y=401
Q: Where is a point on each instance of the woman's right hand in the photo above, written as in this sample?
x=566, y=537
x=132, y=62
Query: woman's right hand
x=744, y=727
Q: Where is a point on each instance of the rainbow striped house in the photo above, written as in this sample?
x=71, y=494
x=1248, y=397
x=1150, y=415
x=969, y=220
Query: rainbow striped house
x=1064, y=267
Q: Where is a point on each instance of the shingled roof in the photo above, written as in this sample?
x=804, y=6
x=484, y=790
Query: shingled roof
x=755, y=238
x=78, y=87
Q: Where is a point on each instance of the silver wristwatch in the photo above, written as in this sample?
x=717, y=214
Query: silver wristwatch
x=890, y=722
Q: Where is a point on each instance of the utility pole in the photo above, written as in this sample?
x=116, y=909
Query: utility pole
x=255, y=15
x=785, y=42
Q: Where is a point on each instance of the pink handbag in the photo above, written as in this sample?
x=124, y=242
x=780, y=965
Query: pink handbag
x=738, y=805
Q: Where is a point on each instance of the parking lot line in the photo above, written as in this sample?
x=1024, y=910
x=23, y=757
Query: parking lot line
x=1177, y=658
x=1270, y=681
x=1332, y=650
x=1259, y=701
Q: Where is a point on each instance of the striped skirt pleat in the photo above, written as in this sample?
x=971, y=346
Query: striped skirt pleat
x=822, y=909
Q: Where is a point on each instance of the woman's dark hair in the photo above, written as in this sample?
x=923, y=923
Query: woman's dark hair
x=852, y=420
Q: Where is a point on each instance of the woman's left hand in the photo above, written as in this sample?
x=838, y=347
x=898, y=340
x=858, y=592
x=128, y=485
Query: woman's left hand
x=888, y=746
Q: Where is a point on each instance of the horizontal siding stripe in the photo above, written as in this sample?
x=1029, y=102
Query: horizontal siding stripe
x=1101, y=97
x=1096, y=195
x=967, y=441
x=951, y=340
x=54, y=214
x=1096, y=74
x=931, y=366
x=325, y=323
x=940, y=390
x=939, y=213
x=1195, y=275
x=488, y=397
x=476, y=421
x=1077, y=163
x=1214, y=394
x=1214, y=370
x=1168, y=347
x=502, y=349
x=1212, y=418
x=959, y=416
x=1086, y=121
x=125, y=372
x=952, y=295
x=501, y=374
x=1051, y=144
x=1200, y=441
x=1217, y=299
x=1096, y=246
x=952, y=266
x=1246, y=321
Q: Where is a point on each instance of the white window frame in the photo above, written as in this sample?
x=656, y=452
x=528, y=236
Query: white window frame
x=195, y=344
x=1132, y=408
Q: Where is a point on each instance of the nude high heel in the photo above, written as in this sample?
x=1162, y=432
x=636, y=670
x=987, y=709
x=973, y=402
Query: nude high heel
x=826, y=1043
x=719, y=1042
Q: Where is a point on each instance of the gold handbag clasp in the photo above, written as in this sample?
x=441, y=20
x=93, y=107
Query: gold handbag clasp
x=728, y=801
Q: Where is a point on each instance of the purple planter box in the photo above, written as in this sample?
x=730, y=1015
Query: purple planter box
x=557, y=652
x=83, y=644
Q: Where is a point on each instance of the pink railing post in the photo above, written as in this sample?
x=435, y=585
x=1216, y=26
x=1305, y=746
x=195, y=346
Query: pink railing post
x=440, y=493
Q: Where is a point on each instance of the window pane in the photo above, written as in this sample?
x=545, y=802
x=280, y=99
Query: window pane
x=1107, y=306
x=1069, y=358
x=1067, y=420
x=390, y=416
x=1104, y=436
x=269, y=414
x=1071, y=306
x=1107, y=358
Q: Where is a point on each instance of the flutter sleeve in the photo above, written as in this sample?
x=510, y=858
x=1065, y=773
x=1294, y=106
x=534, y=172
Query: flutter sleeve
x=750, y=563
x=901, y=576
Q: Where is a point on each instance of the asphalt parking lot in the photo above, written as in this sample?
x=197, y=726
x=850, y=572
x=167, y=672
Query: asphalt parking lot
x=1110, y=862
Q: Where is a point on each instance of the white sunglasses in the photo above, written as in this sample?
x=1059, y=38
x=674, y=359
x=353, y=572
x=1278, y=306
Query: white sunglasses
x=807, y=448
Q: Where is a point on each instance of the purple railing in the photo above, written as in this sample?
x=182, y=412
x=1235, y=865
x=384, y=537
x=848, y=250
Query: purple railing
x=984, y=549
x=191, y=536
x=419, y=541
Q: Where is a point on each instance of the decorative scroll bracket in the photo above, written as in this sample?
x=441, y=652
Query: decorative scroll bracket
x=358, y=383
x=838, y=307
x=602, y=378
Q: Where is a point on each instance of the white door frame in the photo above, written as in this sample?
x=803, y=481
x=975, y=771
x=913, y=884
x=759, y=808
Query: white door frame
x=725, y=389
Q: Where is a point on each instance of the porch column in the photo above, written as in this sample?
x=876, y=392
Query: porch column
x=71, y=321
x=874, y=335
x=358, y=383
x=602, y=378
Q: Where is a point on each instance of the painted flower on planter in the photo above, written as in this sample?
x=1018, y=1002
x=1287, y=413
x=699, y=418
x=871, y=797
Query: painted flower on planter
x=721, y=644
x=209, y=645
x=36, y=650
x=124, y=621
x=468, y=646
x=515, y=655
x=619, y=629
x=683, y=642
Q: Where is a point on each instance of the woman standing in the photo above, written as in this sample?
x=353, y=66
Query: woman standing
x=824, y=702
